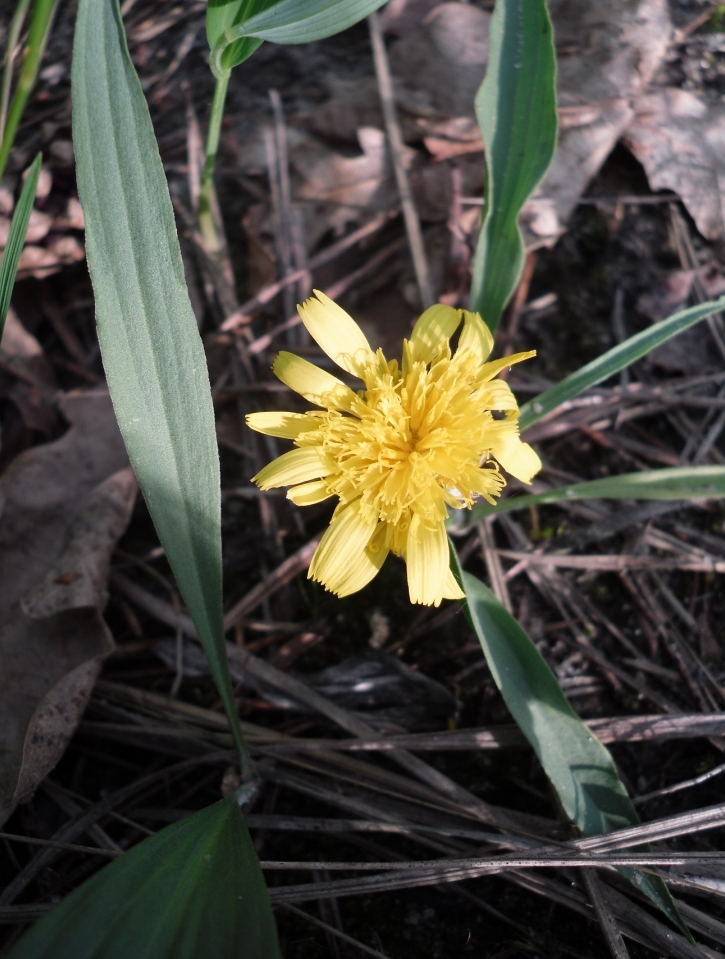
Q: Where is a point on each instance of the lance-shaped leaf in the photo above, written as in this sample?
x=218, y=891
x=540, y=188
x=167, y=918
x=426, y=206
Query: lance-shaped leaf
x=192, y=891
x=152, y=351
x=16, y=239
x=516, y=110
x=676, y=482
x=614, y=360
x=579, y=767
x=286, y=21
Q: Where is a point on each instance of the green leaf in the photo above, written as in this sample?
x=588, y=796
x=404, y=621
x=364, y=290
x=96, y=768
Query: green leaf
x=16, y=240
x=192, y=891
x=223, y=14
x=516, y=110
x=676, y=482
x=615, y=360
x=152, y=351
x=32, y=55
x=579, y=767
x=288, y=21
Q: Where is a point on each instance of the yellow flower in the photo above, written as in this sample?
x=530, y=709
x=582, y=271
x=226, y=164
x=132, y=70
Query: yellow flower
x=420, y=437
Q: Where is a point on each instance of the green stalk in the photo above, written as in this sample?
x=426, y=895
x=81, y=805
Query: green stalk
x=16, y=25
x=37, y=38
x=207, y=223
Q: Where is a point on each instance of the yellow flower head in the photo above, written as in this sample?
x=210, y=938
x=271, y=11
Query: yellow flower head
x=429, y=433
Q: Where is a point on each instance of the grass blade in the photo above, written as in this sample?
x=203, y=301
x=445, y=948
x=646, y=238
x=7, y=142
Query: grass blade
x=11, y=41
x=40, y=25
x=516, y=110
x=192, y=891
x=614, y=360
x=676, y=482
x=288, y=21
x=152, y=351
x=579, y=767
x=16, y=239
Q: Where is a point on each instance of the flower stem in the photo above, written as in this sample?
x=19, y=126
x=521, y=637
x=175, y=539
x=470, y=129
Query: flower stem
x=207, y=223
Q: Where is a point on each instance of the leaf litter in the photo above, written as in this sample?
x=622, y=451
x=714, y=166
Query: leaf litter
x=632, y=641
x=63, y=507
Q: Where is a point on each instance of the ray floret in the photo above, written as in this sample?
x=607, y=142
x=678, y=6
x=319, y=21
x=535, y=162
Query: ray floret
x=431, y=432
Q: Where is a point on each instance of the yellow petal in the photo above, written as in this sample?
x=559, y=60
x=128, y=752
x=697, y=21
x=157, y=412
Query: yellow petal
x=341, y=548
x=494, y=368
x=451, y=589
x=517, y=458
x=307, y=494
x=336, y=332
x=297, y=466
x=310, y=381
x=435, y=326
x=521, y=461
x=368, y=565
x=498, y=396
x=475, y=336
x=427, y=557
x=287, y=426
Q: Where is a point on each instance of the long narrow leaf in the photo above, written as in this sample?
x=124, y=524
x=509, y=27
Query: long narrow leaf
x=290, y=21
x=16, y=240
x=40, y=26
x=579, y=767
x=614, y=360
x=516, y=110
x=676, y=482
x=152, y=351
x=192, y=891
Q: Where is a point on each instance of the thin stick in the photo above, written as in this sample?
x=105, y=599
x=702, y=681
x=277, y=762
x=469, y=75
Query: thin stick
x=603, y=912
x=685, y=784
x=333, y=291
x=397, y=147
x=67, y=846
x=267, y=293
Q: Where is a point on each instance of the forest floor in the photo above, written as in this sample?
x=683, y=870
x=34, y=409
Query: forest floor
x=624, y=599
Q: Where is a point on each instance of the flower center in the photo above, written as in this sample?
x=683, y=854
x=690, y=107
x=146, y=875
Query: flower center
x=412, y=443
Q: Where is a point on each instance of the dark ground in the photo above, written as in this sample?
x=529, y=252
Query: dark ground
x=612, y=253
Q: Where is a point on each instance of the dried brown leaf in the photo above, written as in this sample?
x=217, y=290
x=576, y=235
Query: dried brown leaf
x=680, y=141
x=63, y=506
x=439, y=68
x=607, y=54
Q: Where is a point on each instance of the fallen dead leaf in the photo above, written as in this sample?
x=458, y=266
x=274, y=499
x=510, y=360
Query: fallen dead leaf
x=22, y=352
x=63, y=506
x=691, y=353
x=78, y=577
x=350, y=106
x=439, y=68
x=362, y=181
x=39, y=225
x=672, y=291
x=27, y=378
x=49, y=667
x=402, y=17
x=437, y=65
x=7, y=197
x=607, y=54
x=680, y=141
